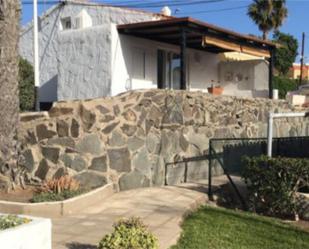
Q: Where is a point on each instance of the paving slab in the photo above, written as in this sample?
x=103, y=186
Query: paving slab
x=161, y=208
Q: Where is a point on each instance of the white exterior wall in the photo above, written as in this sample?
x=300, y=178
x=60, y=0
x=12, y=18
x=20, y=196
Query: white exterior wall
x=244, y=78
x=202, y=66
x=50, y=28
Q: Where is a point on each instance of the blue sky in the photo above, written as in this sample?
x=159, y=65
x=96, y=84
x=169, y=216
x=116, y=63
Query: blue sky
x=216, y=13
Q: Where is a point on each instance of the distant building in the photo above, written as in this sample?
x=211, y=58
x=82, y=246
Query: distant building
x=295, y=71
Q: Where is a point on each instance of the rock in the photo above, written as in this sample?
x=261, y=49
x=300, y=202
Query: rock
x=184, y=144
x=78, y=163
x=134, y=143
x=99, y=164
x=102, y=109
x=116, y=110
x=90, y=144
x=129, y=116
x=119, y=159
x=51, y=153
x=88, y=118
x=60, y=111
x=142, y=163
x=62, y=128
x=30, y=138
x=62, y=141
x=133, y=180
x=155, y=114
x=30, y=116
x=117, y=139
x=174, y=115
x=42, y=170
x=91, y=180
x=67, y=160
x=158, y=169
x=129, y=130
x=153, y=143
x=110, y=128
x=28, y=161
x=43, y=132
x=107, y=118
x=74, y=128
x=175, y=174
x=59, y=173
x=5, y=183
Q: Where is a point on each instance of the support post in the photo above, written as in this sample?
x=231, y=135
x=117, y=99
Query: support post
x=36, y=55
x=183, y=58
x=210, y=171
x=271, y=72
x=270, y=135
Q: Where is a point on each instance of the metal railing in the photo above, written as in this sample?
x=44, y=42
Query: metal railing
x=229, y=153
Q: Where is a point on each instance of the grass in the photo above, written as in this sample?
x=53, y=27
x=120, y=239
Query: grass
x=218, y=228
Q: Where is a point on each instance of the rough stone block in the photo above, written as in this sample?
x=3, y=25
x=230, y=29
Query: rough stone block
x=62, y=141
x=133, y=180
x=99, y=164
x=51, y=153
x=42, y=170
x=90, y=144
x=43, y=132
x=91, y=180
x=119, y=159
x=62, y=128
x=74, y=128
x=78, y=163
x=28, y=161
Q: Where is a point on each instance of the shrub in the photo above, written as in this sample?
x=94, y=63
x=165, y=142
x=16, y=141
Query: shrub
x=9, y=221
x=59, y=189
x=51, y=196
x=129, y=234
x=64, y=183
x=273, y=184
x=284, y=85
x=26, y=86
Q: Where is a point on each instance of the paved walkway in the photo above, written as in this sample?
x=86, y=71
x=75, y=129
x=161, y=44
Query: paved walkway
x=161, y=209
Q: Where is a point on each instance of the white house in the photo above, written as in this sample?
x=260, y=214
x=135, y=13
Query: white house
x=90, y=50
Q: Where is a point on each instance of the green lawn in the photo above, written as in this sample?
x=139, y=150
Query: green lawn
x=218, y=228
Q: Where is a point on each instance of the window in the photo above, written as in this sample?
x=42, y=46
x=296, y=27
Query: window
x=138, y=64
x=66, y=23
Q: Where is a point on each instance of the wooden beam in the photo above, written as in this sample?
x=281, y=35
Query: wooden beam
x=235, y=47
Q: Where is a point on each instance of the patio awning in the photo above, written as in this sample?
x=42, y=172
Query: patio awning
x=190, y=33
x=199, y=35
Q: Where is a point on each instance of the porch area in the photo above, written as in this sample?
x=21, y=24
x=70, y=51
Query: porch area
x=183, y=53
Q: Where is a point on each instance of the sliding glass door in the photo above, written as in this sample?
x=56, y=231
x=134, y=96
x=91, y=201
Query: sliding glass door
x=168, y=70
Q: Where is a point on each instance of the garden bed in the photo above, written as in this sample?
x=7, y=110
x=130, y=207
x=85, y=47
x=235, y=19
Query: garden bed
x=27, y=233
x=58, y=208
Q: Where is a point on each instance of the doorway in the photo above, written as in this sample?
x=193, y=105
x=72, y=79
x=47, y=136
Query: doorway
x=168, y=70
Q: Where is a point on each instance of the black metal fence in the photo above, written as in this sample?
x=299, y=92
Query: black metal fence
x=229, y=154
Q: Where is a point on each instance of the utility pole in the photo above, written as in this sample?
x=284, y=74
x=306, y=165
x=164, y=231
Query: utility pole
x=302, y=59
x=36, y=55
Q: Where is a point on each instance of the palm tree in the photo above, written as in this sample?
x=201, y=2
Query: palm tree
x=268, y=14
x=9, y=103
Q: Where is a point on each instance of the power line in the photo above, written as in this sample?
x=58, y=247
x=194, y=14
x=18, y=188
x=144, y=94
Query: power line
x=213, y=10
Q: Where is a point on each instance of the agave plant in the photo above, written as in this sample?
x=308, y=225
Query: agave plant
x=64, y=183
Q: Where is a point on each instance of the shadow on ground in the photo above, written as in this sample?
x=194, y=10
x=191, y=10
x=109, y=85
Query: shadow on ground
x=75, y=245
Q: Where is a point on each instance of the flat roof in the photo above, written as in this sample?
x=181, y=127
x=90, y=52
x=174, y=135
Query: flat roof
x=169, y=31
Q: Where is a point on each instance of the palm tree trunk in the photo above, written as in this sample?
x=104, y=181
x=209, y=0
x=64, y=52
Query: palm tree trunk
x=265, y=35
x=9, y=101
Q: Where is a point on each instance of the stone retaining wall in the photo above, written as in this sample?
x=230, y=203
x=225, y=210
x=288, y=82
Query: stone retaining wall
x=127, y=139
